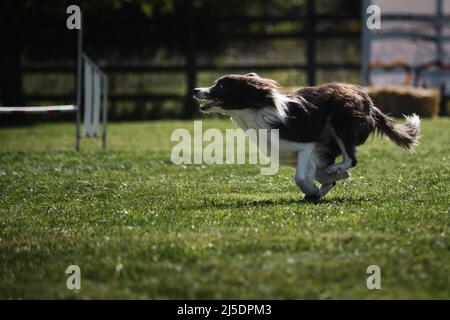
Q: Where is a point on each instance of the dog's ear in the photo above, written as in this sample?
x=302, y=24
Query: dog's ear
x=252, y=74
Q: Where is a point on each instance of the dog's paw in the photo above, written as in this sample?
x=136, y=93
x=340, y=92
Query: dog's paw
x=334, y=169
x=324, y=178
x=343, y=175
x=311, y=198
x=325, y=188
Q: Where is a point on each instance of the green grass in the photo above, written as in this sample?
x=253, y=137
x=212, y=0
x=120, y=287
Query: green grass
x=141, y=227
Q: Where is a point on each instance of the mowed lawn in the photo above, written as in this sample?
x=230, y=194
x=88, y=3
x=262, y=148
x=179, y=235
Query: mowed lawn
x=141, y=227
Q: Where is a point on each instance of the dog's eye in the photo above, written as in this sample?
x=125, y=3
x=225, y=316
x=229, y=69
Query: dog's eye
x=220, y=86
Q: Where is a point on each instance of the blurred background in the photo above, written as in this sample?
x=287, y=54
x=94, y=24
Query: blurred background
x=155, y=51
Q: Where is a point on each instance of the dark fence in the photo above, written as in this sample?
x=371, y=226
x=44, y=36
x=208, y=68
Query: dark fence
x=195, y=30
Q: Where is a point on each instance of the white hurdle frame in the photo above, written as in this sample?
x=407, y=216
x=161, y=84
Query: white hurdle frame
x=95, y=98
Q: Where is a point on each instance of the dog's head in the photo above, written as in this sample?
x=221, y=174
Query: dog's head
x=235, y=92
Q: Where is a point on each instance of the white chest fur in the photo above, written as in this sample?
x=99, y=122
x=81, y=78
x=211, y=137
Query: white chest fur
x=264, y=119
x=254, y=119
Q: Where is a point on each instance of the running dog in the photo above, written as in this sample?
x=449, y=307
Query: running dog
x=316, y=124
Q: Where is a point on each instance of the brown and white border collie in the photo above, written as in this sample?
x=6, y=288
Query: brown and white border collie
x=316, y=124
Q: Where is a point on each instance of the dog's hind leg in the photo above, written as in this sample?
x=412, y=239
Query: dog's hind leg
x=325, y=188
x=327, y=158
x=328, y=181
x=348, y=151
x=323, y=177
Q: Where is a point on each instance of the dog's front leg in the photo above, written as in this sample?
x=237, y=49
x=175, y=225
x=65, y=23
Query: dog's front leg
x=304, y=175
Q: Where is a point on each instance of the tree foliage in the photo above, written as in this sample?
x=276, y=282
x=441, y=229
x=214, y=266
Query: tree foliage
x=154, y=8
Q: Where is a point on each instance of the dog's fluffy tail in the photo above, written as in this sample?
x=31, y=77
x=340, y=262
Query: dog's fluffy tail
x=405, y=135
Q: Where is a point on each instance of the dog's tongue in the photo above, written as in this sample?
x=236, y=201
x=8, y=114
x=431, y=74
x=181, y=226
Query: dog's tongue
x=206, y=106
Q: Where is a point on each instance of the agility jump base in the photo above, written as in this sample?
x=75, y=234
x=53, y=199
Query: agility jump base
x=94, y=94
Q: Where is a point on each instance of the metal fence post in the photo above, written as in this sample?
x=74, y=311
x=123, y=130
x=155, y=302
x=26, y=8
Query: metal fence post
x=365, y=40
x=311, y=42
x=191, y=72
x=439, y=32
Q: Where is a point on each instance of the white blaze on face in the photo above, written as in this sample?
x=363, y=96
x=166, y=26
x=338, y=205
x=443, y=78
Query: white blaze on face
x=207, y=104
x=202, y=93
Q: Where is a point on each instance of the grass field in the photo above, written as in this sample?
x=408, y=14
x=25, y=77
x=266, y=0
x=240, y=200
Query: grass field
x=140, y=227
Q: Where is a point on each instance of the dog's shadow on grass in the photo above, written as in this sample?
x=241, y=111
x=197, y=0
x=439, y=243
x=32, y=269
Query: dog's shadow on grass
x=337, y=200
x=239, y=203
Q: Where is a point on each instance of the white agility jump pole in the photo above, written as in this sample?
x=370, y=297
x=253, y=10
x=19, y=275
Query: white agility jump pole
x=95, y=90
x=95, y=99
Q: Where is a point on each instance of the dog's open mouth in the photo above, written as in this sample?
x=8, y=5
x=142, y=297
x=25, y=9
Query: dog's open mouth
x=206, y=104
